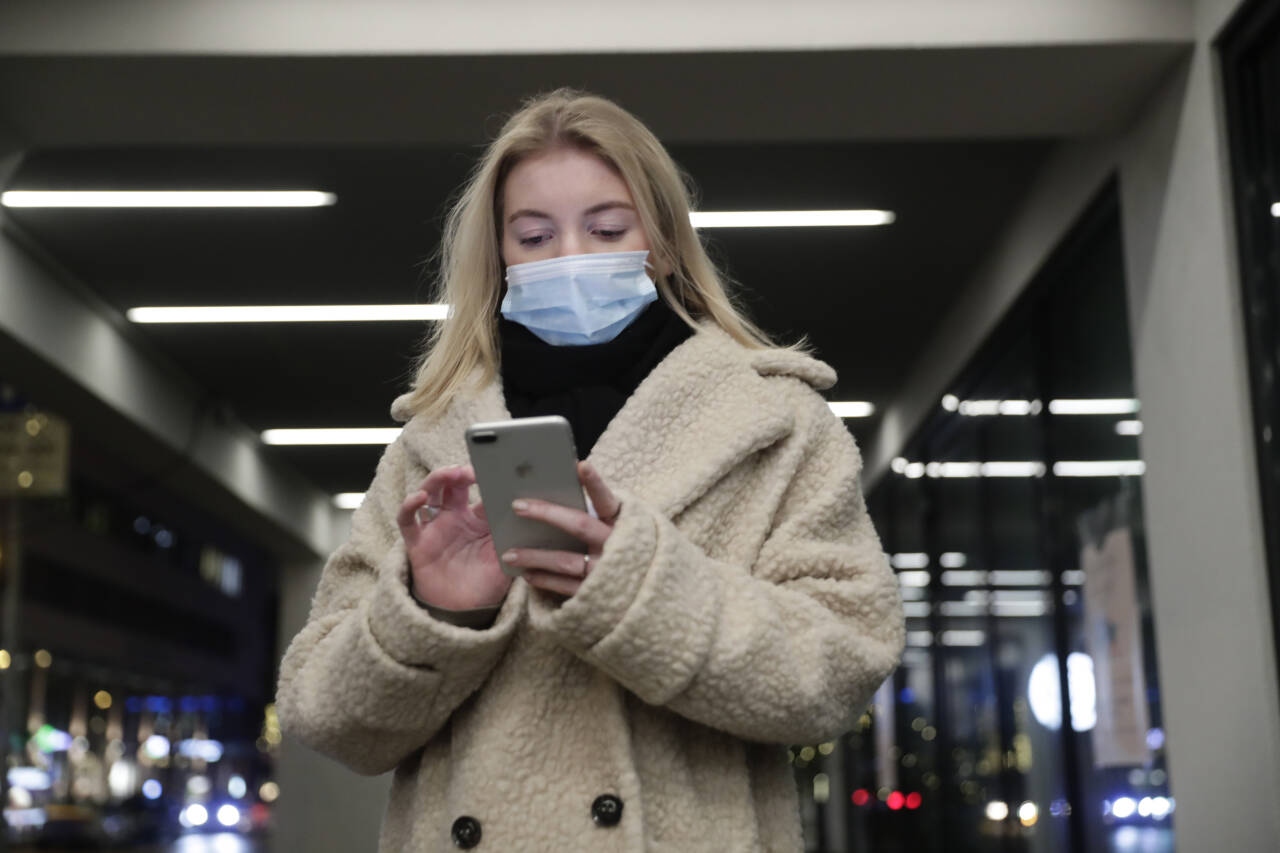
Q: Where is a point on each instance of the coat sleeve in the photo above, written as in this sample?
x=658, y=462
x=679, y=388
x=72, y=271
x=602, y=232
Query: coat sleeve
x=372, y=676
x=788, y=650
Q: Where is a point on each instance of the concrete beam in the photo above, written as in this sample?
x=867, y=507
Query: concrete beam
x=401, y=27
x=68, y=352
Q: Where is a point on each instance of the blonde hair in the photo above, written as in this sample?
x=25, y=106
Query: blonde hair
x=464, y=349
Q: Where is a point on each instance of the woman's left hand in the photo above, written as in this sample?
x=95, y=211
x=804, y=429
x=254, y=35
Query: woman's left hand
x=562, y=572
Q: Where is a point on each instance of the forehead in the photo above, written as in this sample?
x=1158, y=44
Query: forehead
x=562, y=177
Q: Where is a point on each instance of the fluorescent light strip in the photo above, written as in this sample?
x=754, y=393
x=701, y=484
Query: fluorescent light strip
x=853, y=409
x=953, y=560
x=1128, y=427
x=789, y=218
x=167, y=198
x=371, y=435
x=1093, y=407
x=1019, y=577
x=987, y=408
x=1275, y=209
x=964, y=470
x=964, y=578
x=998, y=577
x=348, y=500
x=916, y=609
x=910, y=560
x=1073, y=577
x=1117, y=468
x=919, y=639
x=1006, y=596
x=286, y=313
x=913, y=578
x=964, y=638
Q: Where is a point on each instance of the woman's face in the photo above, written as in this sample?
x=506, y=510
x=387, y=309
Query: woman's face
x=566, y=202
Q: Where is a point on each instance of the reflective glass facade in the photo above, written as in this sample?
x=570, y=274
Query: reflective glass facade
x=1014, y=521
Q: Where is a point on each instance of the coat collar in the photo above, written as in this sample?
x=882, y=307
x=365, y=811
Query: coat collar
x=708, y=405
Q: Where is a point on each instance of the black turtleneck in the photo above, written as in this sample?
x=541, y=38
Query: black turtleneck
x=586, y=384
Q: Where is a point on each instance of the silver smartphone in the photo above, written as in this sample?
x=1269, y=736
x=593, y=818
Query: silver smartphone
x=526, y=458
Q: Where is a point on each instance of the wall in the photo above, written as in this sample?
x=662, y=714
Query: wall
x=323, y=806
x=1208, y=575
x=1208, y=572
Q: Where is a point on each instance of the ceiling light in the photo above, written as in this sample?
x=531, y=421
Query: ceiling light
x=853, y=409
x=788, y=218
x=1013, y=469
x=1019, y=577
x=963, y=638
x=373, y=435
x=348, y=500
x=964, y=577
x=1093, y=407
x=286, y=313
x=167, y=198
x=1117, y=468
x=910, y=560
x=914, y=578
x=1128, y=427
x=1275, y=209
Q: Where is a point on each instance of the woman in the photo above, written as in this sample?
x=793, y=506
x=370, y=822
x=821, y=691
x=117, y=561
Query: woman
x=734, y=597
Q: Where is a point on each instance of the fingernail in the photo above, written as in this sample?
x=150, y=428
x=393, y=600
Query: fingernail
x=519, y=506
x=509, y=556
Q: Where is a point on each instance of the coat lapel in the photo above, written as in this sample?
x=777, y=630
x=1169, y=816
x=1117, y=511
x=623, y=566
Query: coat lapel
x=700, y=412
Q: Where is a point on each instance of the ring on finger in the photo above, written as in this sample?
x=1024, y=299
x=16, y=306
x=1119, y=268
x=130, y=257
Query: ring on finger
x=586, y=565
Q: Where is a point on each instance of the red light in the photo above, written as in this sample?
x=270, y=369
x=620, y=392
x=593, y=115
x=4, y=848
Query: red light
x=913, y=800
x=896, y=800
x=861, y=797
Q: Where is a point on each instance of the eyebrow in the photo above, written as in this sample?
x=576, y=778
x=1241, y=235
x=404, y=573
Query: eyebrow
x=595, y=208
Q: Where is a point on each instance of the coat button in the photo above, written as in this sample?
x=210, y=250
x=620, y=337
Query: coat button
x=606, y=810
x=466, y=832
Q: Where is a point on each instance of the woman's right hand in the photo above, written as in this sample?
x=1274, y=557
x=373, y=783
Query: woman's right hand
x=452, y=563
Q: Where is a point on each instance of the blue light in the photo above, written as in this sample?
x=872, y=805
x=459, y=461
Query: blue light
x=159, y=704
x=152, y=789
x=907, y=696
x=133, y=704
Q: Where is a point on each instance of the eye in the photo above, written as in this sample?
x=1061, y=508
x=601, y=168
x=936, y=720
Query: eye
x=610, y=233
x=534, y=239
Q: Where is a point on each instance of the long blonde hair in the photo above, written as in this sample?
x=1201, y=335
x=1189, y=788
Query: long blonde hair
x=464, y=348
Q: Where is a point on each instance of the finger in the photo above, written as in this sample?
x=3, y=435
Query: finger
x=478, y=511
x=441, y=484
x=406, y=518
x=602, y=498
x=575, y=522
x=552, y=582
x=539, y=559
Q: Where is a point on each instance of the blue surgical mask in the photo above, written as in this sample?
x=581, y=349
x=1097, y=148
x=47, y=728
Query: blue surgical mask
x=577, y=300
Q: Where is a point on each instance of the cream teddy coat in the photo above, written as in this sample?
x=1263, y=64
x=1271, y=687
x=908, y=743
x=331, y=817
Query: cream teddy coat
x=742, y=603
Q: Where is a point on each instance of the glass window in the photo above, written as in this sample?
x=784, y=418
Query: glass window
x=1026, y=714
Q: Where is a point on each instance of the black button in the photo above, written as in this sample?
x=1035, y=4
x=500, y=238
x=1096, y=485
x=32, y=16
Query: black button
x=606, y=810
x=466, y=832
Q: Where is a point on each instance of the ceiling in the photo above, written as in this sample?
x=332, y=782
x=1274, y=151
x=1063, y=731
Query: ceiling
x=865, y=297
